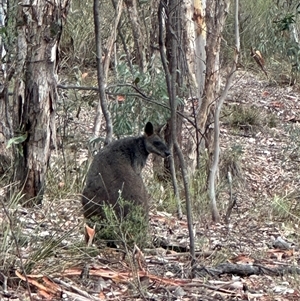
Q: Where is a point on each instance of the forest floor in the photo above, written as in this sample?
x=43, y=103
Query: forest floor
x=253, y=257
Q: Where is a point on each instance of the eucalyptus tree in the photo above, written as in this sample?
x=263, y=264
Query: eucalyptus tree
x=32, y=32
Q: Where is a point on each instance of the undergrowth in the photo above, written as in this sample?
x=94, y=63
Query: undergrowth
x=286, y=207
x=118, y=229
x=249, y=118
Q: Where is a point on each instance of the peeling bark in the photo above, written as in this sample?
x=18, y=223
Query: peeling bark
x=35, y=92
x=5, y=122
x=216, y=12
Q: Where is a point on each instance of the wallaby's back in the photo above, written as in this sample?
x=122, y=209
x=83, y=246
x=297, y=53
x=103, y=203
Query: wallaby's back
x=117, y=167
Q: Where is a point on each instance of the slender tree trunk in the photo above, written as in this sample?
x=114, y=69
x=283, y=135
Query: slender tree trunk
x=102, y=104
x=111, y=40
x=168, y=62
x=171, y=67
x=194, y=50
x=35, y=93
x=176, y=28
x=232, y=200
x=215, y=14
x=153, y=30
x=5, y=120
x=218, y=106
x=138, y=36
x=200, y=43
x=124, y=43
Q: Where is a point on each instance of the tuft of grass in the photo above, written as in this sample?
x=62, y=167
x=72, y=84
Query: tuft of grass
x=128, y=230
x=162, y=193
x=280, y=207
x=6, y=164
x=286, y=207
x=10, y=228
x=66, y=175
x=198, y=189
x=44, y=238
x=249, y=118
x=231, y=162
x=272, y=121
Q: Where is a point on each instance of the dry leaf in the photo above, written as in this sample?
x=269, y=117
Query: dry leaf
x=84, y=75
x=89, y=234
x=120, y=98
x=241, y=259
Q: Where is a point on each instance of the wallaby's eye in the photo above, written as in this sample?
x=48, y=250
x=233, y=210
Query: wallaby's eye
x=156, y=143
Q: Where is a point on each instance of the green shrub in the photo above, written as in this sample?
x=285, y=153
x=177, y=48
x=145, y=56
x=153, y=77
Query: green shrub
x=286, y=207
x=138, y=109
x=127, y=230
x=231, y=162
x=245, y=117
x=249, y=118
x=270, y=28
x=198, y=189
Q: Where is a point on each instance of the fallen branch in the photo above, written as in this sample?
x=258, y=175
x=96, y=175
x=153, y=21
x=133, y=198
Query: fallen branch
x=244, y=270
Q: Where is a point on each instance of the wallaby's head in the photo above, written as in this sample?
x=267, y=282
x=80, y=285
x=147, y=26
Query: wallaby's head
x=154, y=143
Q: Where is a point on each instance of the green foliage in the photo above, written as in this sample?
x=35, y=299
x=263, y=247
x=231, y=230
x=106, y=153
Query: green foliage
x=231, y=161
x=35, y=240
x=285, y=22
x=269, y=27
x=253, y=18
x=198, y=189
x=272, y=121
x=6, y=170
x=9, y=234
x=65, y=174
x=286, y=207
x=17, y=141
x=13, y=237
x=244, y=117
x=235, y=152
x=129, y=230
x=135, y=108
x=163, y=194
x=78, y=39
x=282, y=42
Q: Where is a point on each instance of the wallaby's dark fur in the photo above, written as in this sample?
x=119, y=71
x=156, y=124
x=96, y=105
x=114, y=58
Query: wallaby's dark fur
x=117, y=167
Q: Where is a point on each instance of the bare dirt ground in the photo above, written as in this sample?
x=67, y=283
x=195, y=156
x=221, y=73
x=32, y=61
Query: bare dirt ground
x=254, y=257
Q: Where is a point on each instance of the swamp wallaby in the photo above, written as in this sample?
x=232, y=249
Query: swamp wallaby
x=117, y=167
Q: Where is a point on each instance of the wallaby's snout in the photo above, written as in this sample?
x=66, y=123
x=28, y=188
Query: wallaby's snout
x=167, y=154
x=155, y=145
x=162, y=150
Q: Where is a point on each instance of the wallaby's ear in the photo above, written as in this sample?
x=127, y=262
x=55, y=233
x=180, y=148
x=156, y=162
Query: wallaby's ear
x=149, y=129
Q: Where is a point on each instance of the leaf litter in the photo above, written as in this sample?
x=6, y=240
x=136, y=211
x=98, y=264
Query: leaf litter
x=254, y=257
